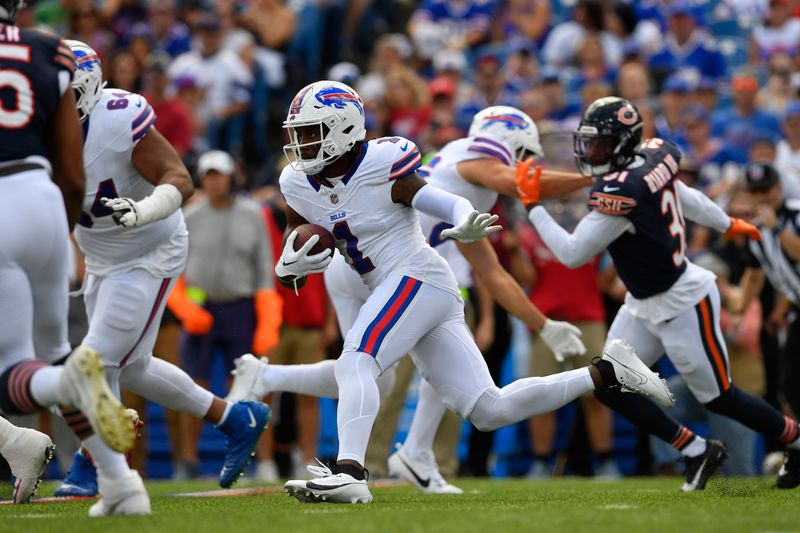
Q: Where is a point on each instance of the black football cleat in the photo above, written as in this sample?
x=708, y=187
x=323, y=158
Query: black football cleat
x=699, y=469
x=789, y=476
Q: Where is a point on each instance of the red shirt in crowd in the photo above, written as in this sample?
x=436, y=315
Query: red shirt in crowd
x=560, y=292
x=174, y=122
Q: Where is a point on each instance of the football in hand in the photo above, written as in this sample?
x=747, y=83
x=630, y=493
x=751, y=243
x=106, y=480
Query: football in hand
x=306, y=231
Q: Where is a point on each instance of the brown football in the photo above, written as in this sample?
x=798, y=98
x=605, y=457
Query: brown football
x=306, y=231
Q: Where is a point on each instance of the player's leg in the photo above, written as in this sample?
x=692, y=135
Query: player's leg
x=414, y=460
x=700, y=355
x=399, y=312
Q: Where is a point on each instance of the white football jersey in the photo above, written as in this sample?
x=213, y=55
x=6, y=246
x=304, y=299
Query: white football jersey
x=117, y=123
x=376, y=236
x=442, y=171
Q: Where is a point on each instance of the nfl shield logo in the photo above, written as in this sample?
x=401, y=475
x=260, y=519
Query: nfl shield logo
x=334, y=199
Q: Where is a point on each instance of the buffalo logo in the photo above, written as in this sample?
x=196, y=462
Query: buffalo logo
x=86, y=61
x=339, y=98
x=627, y=115
x=298, y=101
x=334, y=199
x=511, y=122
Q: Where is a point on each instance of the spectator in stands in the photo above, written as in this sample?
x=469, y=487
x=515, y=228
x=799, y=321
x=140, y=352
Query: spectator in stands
x=521, y=66
x=787, y=157
x=719, y=171
x=120, y=16
x=408, y=101
x=573, y=295
x=272, y=22
x=591, y=62
x=390, y=50
x=225, y=81
x=163, y=28
x=124, y=73
x=562, y=44
x=706, y=93
x=686, y=46
x=490, y=82
x=561, y=106
x=674, y=100
x=777, y=33
x=229, y=274
x=634, y=84
x=739, y=125
x=174, y=116
x=776, y=94
x=526, y=20
x=85, y=25
x=457, y=24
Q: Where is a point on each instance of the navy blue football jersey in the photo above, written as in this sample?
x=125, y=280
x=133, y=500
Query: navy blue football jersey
x=35, y=70
x=651, y=259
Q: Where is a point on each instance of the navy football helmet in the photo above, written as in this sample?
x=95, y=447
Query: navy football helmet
x=607, y=137
x=9, y=8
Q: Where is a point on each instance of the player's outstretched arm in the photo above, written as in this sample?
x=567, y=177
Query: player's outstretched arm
x=593, y=234
x=701, y=209
x=158, y=163
x=500, y=177
x=562, y=338
x=66, y=156
x=468, y=224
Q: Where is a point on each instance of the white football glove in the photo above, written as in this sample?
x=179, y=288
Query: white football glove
x=563, y=339
x=474, y=228
x=299, y=263
x=125, y=211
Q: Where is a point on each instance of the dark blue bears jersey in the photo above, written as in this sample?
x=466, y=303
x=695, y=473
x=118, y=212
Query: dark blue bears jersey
x=651, y=259
x=35, y=70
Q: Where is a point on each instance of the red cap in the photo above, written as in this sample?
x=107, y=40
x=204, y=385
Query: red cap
x=442, y=85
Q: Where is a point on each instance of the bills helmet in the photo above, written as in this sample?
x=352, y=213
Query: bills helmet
x=512, y=126
x=607, y=136
x=88, y=80
x=337, y=110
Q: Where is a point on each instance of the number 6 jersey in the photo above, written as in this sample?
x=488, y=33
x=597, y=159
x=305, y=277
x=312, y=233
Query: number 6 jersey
x=375, y=235
x=117, y=123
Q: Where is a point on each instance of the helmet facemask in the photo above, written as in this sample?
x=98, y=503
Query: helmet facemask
x=328, y=150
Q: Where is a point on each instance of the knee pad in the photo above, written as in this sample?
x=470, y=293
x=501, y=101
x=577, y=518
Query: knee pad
x=485, y=415
x=15, y=388
x=351, y=364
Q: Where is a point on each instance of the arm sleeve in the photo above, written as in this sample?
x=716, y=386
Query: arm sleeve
x=593, y=234
x=701, y=209
x=442, y=205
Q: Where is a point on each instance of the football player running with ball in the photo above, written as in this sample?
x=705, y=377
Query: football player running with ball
x=367, y=195
x=135, y=241
x=672, y=306
x=478, y=168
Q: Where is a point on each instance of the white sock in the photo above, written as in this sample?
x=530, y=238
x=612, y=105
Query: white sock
x=8, y=434
x=318, y=379
x=529, y=397
x=228, y=406
x=167, y=385
x=359, y=401
x=427, y=417
x=110, y=464
x=696, y=447
x=44, y=385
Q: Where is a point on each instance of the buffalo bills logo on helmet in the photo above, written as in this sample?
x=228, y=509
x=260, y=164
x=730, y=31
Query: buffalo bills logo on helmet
x=339, y=98
x=86, y=60
x=512, y=122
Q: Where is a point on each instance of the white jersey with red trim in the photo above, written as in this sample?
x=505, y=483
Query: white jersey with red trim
x=117, y=123
x=442, y=171
x=377, y=236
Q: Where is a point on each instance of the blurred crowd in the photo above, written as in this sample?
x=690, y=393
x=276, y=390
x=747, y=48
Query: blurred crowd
x=721, y=78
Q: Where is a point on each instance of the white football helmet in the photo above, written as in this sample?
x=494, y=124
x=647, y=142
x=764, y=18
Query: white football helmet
x=337, y=110
x=511, y=125
x=88, y=80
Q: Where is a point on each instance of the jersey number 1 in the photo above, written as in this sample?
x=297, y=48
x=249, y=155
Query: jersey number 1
x=362, y=264
x=20, y=84
x=670, y=204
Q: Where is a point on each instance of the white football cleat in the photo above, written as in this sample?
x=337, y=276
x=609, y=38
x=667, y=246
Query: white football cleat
x=248, y=383
x=633, y=374
x=328, y=487
x=422, y=472
x=83, y=385
x=121, y=497
x=27, y=455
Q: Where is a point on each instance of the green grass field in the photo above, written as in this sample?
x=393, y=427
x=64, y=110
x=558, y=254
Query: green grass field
x=644, y=504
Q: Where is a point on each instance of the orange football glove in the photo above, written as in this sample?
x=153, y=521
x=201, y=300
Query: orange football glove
x=269, y=315
x=195, y=319
x=742, y=227
x=528, y=183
